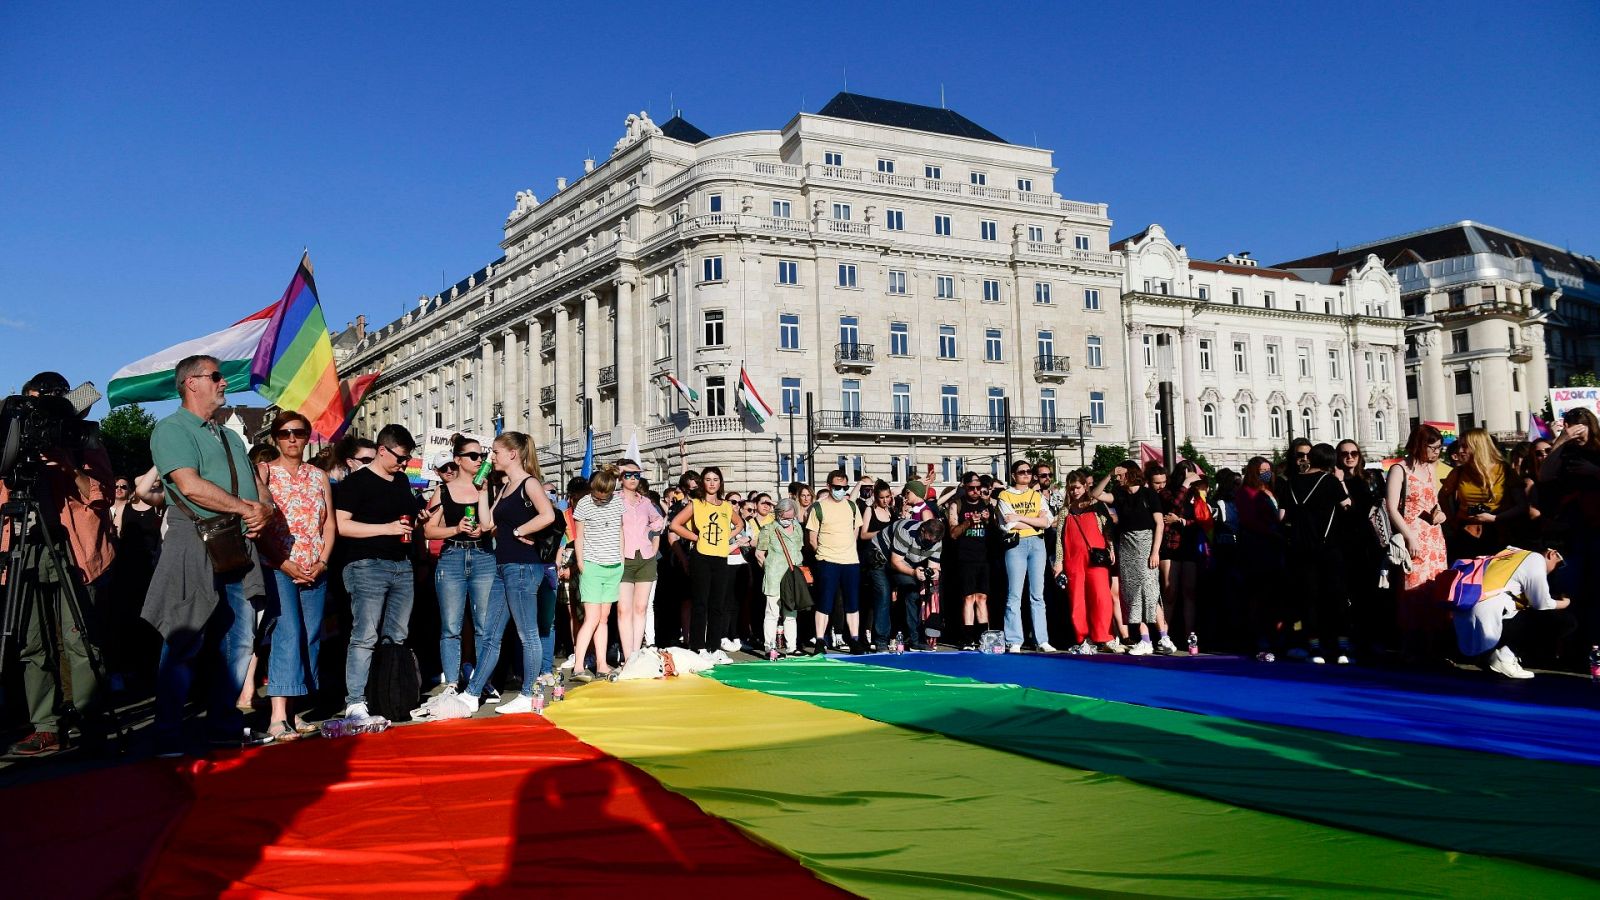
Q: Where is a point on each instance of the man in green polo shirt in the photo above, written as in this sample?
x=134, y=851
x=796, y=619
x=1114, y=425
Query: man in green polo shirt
x=207, y=472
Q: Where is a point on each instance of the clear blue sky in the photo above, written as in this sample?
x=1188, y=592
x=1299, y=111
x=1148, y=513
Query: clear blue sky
x=163, y=164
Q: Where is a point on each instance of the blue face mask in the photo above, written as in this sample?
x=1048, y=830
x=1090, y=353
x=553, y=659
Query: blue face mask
x=839, y=493
x=1266, y=477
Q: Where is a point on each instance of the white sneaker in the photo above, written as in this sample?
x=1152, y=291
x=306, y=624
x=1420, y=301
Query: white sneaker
x=1503, y=662
x=1167, y=646
x=458, y=706
x=356, y=711
x=521, y=703
x=730, y=645
x=569, y=662
x=1143, y=648
x=1342, y=660
x=1046, y=648
x=1014, y=648
x=1114, y=647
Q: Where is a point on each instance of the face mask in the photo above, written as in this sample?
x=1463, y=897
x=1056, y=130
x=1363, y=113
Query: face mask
x=786, y=523
x=1266, y=477
x=839, y=493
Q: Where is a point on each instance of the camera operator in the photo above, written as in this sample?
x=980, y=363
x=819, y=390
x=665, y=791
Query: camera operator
x=190, y=603
x=75, y=495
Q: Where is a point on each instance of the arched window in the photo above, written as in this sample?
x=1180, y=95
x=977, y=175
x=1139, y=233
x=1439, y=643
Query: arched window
x=1338, y=424
x=1208, y=420
x=1277, y=422
x=1380, y=427
x=1244, y=421
x=1308, y=423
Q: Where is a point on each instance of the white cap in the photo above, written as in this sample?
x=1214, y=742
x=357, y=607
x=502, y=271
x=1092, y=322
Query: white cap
x=441, y=458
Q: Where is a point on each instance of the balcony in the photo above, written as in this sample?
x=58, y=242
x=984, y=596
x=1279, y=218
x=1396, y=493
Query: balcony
x=853, y=357
x=547, y=344
x=608, y=377
x=547, y=395
x=938, y=426
x=1052, y=368
x=1522, y=353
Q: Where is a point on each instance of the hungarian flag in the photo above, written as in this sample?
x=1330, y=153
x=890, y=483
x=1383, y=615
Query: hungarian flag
x=751, y=400
x=152, y=378
x=689, y=394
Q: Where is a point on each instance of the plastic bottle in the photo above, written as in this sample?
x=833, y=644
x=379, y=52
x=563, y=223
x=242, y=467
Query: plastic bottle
x=778, y=644
x=483, y=472
x=558, y=692
x=1194, y=644
x=333, y=728
x=897, y=646
x=538, y=703
x=373, y=725
x=1594, y=664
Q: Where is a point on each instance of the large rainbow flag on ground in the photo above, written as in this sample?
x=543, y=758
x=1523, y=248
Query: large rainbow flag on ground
x=293, y=365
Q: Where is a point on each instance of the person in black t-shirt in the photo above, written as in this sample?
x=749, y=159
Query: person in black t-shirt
x=377, y=514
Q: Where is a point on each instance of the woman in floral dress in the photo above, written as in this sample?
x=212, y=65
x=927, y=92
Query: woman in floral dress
x=1412, y=498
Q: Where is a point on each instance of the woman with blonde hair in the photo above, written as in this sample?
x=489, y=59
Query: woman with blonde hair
x=597, y=552
x=1483, y=497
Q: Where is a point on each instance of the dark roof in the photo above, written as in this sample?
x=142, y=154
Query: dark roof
x=679, y=129
x=1448, y=242
x=1131, y=239
x=896, y=114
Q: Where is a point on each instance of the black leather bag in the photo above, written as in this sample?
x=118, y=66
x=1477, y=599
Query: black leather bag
x=1099, y=557
x=223, y=536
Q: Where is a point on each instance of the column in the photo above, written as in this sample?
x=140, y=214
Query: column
x=1436, y=402
x=536, y=423
x=484, y=388
x=1188, y=387
x=562, y=370
x=628, y=353
x=1360, y=411
x=510, y=401
x=1137, y=377
x=593, y=328
x=1537, y=371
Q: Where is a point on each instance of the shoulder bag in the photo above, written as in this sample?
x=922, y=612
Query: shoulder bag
x=1099, y=557
x=223, y=535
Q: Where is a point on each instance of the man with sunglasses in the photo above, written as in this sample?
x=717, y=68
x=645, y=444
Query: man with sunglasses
x=207, y=473
x=377, y=514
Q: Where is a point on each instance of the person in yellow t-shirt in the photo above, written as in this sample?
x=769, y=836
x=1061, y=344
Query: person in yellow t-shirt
x=712, y=615
x=1023, y=514
x=832, y=524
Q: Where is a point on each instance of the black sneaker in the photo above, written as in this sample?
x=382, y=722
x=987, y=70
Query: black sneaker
x=40, y=743
x=244, y=740
x=814, y=647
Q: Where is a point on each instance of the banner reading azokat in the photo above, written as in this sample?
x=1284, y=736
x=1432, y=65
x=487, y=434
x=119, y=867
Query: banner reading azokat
x=1563, y=399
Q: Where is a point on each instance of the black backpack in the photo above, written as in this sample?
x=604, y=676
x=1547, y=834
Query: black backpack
x=394, y=686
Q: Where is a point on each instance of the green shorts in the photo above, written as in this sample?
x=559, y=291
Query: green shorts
x=639, y=571
x=599, y=584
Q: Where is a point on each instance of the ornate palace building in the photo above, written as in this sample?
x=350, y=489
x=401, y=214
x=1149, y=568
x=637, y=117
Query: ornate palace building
x=898, y=272
x=1259, y=355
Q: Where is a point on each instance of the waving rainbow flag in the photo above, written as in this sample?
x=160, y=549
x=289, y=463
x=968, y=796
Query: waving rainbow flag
x=293, y=366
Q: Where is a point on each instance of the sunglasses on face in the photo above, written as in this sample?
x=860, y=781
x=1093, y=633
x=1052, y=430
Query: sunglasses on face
x=284, y=434
x=631, y=475
x=366, y=460
x=1352, y=454
x=449, y=469
x=398, y=456
x=214, y=376
x=1302, y=456
x=474, y=456
x=124, y=487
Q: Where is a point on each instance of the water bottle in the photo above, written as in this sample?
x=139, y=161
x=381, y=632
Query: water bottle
x=897, y=645
x=1594, y=664
x=558, y=693
x=373, y=725
x=779, y=643
x=538, y=703
x=1194, y=644
x=333, y=728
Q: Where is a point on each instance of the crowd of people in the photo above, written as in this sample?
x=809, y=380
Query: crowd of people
x=280, y=574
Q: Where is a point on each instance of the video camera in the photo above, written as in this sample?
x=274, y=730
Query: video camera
x=32, y=425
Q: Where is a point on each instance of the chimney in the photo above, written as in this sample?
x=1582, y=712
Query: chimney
x=561, y=185
x=361, y=327
x=588, y=166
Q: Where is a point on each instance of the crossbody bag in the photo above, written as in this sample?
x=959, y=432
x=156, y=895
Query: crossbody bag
x=222, y=535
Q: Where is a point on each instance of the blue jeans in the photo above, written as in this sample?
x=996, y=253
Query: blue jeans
x=231, y=629
x=879, y=596
x=547, y=622
x=381, y=592
x=521, y=582
x=1026, y=560
x=464, y=571
x=296, y=635
x=909, y=590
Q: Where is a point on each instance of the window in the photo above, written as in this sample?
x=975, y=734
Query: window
x=1097, y=408
x=899, y=339
x=1241, y=358
x=781, y=209
x=1157, y=285
x=711, y=269
x=1244, y=420
x=714, y=203
x=1080, y=242
x=886, y=166
x=1046, y=344
x=900, y=406
x=1308, y=422
x=991, y=345
x=1380, y=426
x=841, y=212
x=849, y=331
x=941, y=225
x=716, y=395
x=932, y=173
x=1300, y=302
x=1338, y=424
x=991, y=291
x=988, y=230
x=950, y=406
x=789, y=331
x=1205, y=356
x=1092, y=352
x=664, y=339
x=1025, y=185
x=1463, y=382
x=850, y=401
x=1036, y=234
x=1371, y=366
x=1091, y=298
x=791, y=397
x=847, y=275
x=788, y=271
x=1237, y=296
x=1383, y=366
x=1041, y=292
x=947, y=342
x=1272, y=360
x=894, y=220
x=1203, y=292
x=997, y=409
x=1516, y=380
x=1458, y=341
x=980, y=178
x=1333, y=363
x=1275, y=421
x=832, y=158
x=1149, y=343
x=897, y=281
x=713, y=328
x=945, y=287
x=1327, y=306
x=1047, y=409
x=1208, y=420
x=1303, y=355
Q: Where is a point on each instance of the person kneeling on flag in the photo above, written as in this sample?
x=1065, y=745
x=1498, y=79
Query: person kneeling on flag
x=1503, y=607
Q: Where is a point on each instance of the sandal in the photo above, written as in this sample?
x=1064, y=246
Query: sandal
x=281, y=732
x=301, y=726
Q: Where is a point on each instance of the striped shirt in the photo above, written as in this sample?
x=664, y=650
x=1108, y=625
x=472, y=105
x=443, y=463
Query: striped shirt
x=602, y=530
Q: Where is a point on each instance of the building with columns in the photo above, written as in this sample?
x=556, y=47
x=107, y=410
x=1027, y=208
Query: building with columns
x=905, y=269
x=1260, y=355
x=1496, y=319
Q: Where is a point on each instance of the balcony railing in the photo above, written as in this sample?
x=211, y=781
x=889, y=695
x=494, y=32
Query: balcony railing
x=608, y=376
x=987, y=426
x=1522, y=353
x=547, y=395
x=1052, y=366
x=853, y=354
x=547, y=343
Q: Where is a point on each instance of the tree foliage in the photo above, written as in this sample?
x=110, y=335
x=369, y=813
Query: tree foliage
x=1106, y=458
x=126, y=434
x=1187, y=451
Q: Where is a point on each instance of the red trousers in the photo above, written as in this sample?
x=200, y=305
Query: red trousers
x=1088, y=587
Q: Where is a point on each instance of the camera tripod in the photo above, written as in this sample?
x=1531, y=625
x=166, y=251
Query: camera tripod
x=33, y=540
